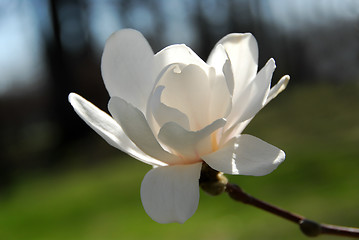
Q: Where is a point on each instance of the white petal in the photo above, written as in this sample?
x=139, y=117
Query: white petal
x=127, y=67
x=108, y=128
x=188, y=91
x=218, y=57
x=278, y=88
x=190, y=145
x=163, y=113
x=191, y=91
x=246, y=155
x=134, y=124
x=171, y=194
x=242, y=50
x=220, y=101
x=177, y=54
x=221, y=62
x=236, y=128
x=233, y=131
x=253, y=97
x=228, y=74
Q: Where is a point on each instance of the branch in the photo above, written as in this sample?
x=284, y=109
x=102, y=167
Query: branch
x=308, y=227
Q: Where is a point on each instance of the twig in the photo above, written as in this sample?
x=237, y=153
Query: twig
x=308, y=227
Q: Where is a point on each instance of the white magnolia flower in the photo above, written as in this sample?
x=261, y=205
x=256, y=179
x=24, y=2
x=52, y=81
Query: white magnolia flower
x=174, y=111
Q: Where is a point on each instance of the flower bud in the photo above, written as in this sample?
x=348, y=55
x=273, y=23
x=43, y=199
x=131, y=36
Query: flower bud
x=310, y=228
x=212, y=181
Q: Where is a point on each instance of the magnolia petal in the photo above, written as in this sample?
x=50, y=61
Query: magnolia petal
x=177, y=54
x=220, y=98
x=171, y=193
x=109, y=129
x=236, y=128
x=163, y=113
x=233, y=131
x=278, y=88
x=220, y=61
x=218, y=57
x=188, y=144
x=253, y=97
x=188, y=91
x=202, y=98
x=242, y=50
x=155, y=126
x=246, y=155
x=134, y=124
x=127, y=67
x=228, y=74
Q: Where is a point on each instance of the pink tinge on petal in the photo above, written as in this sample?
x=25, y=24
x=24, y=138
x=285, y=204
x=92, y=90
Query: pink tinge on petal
x=190, y=145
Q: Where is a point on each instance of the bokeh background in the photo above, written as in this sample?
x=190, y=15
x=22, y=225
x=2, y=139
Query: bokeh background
x=59, y=180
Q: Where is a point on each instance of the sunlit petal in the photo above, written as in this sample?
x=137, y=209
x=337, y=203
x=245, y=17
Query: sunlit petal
x=171, y=194
x=246, y=155
x=109, y=129
x=219, y=59
x=278, y=88
x=242, y=50
x=163, y=113
x=220, y=100
x=189, y=144
x=134, y=124
x=253, y=97
x=191, y=91
x=127, y=67
x=177, y=54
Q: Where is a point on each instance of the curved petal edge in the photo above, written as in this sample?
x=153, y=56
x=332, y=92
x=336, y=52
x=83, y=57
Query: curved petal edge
x=104, y=125
x=171, y=193
x=278, y=88
x=134, y=124
x=127, y=67
x=246, y=155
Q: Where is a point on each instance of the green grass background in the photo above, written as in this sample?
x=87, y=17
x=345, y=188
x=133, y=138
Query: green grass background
x=316, y=125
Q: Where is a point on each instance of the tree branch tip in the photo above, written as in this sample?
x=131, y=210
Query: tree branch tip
x=308, y=227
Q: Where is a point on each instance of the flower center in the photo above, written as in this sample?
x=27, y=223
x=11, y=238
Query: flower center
x=214, y=141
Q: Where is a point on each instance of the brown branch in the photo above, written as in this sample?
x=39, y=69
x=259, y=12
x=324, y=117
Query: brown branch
x=308, y=227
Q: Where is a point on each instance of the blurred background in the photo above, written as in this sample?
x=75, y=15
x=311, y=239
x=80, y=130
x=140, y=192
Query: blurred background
x=59, y=180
